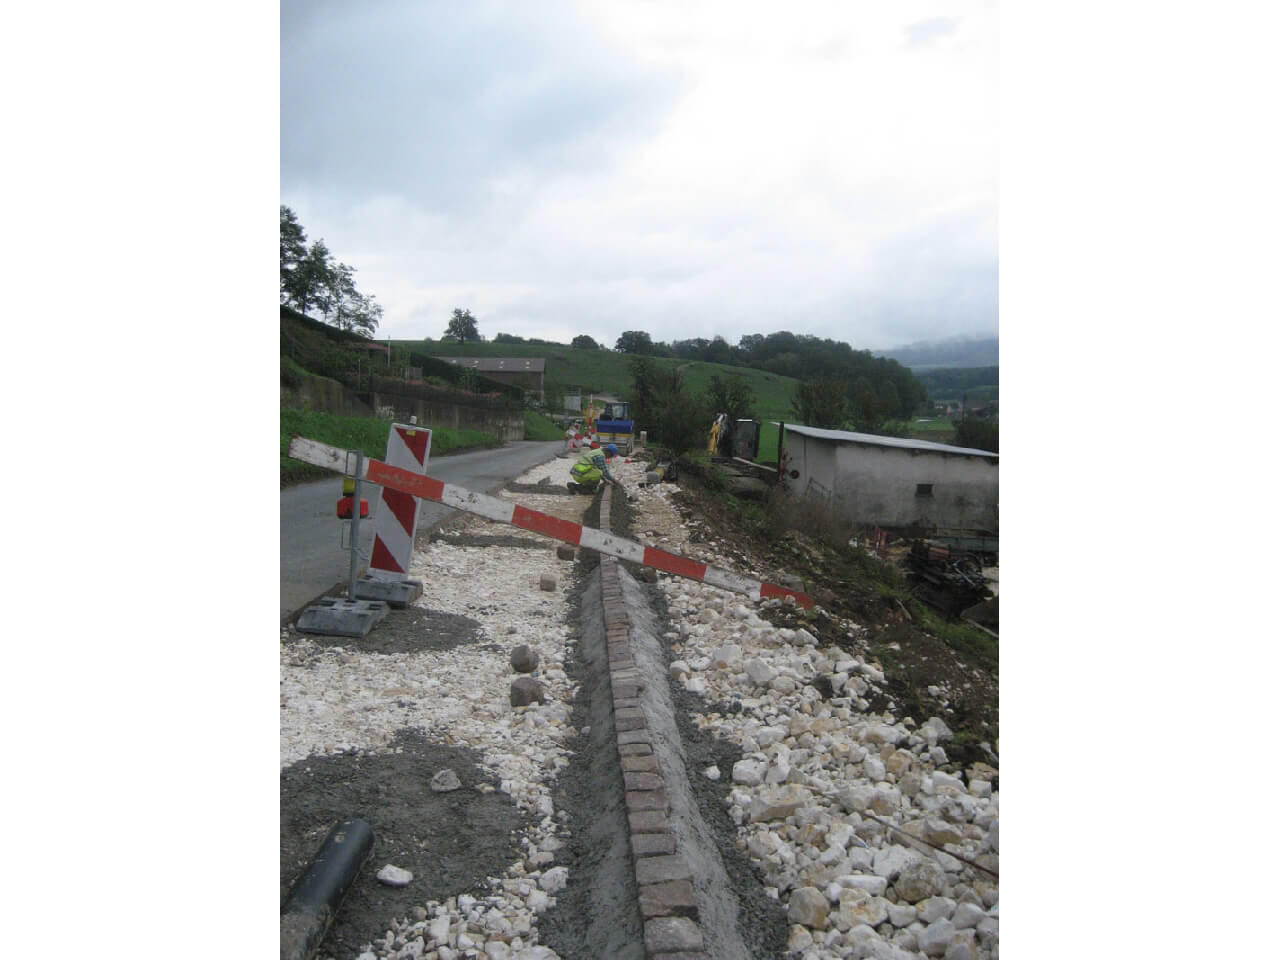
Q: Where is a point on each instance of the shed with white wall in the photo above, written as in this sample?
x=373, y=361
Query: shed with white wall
x=895, y=482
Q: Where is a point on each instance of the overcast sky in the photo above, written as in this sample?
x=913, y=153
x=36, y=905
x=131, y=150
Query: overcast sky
x=688, y=169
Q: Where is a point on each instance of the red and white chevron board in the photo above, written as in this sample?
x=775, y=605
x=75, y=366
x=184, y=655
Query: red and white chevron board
x=491, y=508
x=408, y=447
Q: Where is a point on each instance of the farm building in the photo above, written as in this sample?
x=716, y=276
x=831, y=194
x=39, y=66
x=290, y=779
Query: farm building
x=526, y=372
x=896, y=483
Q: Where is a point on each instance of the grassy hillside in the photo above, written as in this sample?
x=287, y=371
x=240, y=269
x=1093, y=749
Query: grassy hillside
x=606, y=371
x=367, y=434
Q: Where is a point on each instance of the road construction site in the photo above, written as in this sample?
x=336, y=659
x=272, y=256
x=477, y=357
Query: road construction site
x=565, y=754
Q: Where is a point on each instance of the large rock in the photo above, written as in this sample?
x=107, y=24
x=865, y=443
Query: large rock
x=809, y=907
x=727, y=656
x=934, y=730
x=941, y=833
x=890, y=861
x=777, y=803
x=968, y=915
x=750, y=772
x=524, y=659
x=920, y=880
x=526, y=690
x=872, y=911
x=935, y=909
x=394, y=876
x=883, y=733
x=759, y=671
x=934, y=939
x=445, y=781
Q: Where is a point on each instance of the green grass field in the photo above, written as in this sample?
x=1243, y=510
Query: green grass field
x=539, y=427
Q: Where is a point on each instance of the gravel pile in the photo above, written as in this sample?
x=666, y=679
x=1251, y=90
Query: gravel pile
x=337, y=698
x=821, y=778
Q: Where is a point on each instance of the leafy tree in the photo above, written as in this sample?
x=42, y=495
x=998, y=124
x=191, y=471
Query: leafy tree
x=462, y=326
x=508, y=338
x=662, y=405
x=731, y=395
x=293, y=247
x=309, y=281
x=866, y=406
x=890, y=403
x=821, y=402
x=584, y=342
x=635, y=341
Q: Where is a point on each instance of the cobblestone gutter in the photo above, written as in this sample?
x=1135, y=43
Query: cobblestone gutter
x=668, y=906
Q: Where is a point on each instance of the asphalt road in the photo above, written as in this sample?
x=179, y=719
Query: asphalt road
x=312, y=560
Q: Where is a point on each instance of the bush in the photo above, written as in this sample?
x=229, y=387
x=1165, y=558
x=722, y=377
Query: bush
x=979, y=434
x=667, y=410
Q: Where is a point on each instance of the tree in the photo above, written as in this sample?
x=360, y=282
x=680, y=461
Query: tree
x=310, y=279
x=821, y=402
x=584, y=342
x=661, y=405
x=462, y=326
x=979, y=434
x=731, y=395
x=635, y=341
x=890, y=403
x=866, y=406
x=293, y=247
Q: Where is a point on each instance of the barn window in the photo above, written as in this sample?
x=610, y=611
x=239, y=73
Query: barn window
x=924, y=489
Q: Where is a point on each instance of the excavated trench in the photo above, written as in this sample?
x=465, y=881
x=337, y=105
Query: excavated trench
x=598, y=913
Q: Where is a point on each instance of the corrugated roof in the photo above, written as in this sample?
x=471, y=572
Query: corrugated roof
x=848, y=436
x=500, y=364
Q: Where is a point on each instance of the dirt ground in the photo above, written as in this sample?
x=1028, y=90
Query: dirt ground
x=450, y=841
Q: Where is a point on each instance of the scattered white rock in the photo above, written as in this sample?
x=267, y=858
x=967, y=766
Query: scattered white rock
x=445, y=780
x=394, y=876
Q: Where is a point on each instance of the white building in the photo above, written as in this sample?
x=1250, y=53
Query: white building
x=893, y=482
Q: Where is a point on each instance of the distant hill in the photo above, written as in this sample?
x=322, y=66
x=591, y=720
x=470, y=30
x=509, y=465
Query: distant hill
x=607, y=371
x=953, y=352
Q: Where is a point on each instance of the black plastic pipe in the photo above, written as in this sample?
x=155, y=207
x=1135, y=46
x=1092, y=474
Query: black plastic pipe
x=313, y=900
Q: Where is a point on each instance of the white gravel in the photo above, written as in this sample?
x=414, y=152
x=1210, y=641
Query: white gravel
x=340, y=698
x=814, y=774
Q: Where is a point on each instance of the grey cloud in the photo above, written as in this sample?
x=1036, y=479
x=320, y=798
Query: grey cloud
x=433, y=102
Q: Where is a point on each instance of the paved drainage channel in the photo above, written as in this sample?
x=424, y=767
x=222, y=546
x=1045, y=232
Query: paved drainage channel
x=650, y=880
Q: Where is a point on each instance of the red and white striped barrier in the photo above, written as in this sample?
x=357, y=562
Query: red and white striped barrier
x=491, y=508
x=408, y=447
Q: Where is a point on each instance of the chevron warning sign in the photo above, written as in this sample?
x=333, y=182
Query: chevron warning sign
x=395, y=524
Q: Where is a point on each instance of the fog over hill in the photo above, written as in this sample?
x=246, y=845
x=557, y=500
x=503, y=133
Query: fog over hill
x=952, y=352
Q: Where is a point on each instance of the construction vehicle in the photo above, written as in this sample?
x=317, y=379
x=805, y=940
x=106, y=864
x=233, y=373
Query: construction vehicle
x=946, y=577
x=616, y=426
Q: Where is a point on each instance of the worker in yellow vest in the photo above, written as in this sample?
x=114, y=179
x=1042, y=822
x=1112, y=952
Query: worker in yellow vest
x=591, y=468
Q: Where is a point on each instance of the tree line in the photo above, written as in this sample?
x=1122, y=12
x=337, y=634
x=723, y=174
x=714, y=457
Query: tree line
x=840, y=386
x=310, y=280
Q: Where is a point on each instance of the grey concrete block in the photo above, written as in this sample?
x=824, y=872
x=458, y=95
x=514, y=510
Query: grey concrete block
x=662, y=869
x=665, y=934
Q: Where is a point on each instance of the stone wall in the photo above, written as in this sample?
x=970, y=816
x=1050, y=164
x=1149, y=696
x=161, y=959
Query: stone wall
x=329, y=396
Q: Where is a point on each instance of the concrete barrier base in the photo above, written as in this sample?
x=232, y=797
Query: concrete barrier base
x=398, y=594
x=337, y=617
